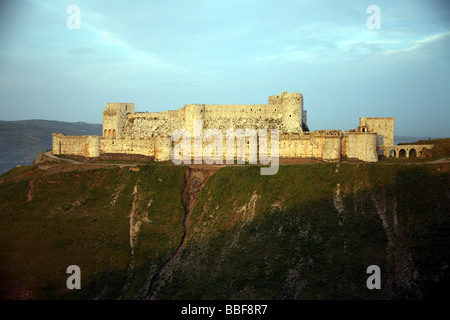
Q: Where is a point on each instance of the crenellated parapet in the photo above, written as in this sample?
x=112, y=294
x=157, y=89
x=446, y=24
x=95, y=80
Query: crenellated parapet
x=149, y=133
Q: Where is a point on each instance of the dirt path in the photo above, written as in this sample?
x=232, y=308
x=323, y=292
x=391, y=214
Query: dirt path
x=50, y=155
x=282, y=162
x=444, y=160
x=30, y=190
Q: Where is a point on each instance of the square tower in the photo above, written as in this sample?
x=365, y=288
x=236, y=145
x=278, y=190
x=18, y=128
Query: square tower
x=114, y=118
x=383, y=127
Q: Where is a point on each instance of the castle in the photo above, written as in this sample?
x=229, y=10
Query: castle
x=126, y=131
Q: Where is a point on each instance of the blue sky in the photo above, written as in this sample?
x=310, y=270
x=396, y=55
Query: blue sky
x=162, y=55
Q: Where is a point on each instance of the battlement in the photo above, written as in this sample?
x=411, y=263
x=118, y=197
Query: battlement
x=284, y=112
x=149, y=133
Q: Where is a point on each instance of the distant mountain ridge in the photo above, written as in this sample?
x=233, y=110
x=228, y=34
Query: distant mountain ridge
x=21, y=141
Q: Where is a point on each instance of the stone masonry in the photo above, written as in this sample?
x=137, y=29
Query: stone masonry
x=128, y=132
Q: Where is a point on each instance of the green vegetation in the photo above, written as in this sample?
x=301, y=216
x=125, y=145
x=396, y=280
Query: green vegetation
x=308, y=232
x=83, y=218
x=299, y=246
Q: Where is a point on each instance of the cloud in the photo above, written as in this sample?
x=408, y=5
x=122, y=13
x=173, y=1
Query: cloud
x=428, y=41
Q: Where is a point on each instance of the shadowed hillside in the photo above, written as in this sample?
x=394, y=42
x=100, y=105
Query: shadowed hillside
x=308, y=232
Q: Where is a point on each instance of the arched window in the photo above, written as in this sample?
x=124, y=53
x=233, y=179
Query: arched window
x=114, y=133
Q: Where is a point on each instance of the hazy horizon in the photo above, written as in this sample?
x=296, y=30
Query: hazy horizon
x=162, y=55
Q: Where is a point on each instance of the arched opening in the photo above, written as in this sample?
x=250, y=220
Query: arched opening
x=412, y=153
x=363, y=130
x=105, y=133
x=392, y=153
x=382, y=153
x=114, y=133
x=109, y=133
x=402, y=153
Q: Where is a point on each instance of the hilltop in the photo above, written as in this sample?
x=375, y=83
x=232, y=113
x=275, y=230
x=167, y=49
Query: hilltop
x=161, y=231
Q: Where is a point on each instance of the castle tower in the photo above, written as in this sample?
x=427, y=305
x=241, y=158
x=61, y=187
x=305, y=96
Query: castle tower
x=292, y=114
x=192, y=113
x=383, y=127
x=114, y=118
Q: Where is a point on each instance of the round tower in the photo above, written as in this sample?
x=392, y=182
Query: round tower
x=292, y=105
x=193, y=113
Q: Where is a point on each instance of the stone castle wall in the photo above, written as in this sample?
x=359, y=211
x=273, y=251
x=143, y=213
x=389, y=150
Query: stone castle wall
x=360, y=145
x=284, y=112
x=149, y=133
x=327, y=145
x=148, y=125
x=159, y=147
x=86, y=146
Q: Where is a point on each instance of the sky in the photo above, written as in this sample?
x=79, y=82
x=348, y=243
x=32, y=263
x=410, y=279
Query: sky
x=164, y=54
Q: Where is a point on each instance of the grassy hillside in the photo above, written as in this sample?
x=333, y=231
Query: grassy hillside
x=90, y=219
x=309, y=232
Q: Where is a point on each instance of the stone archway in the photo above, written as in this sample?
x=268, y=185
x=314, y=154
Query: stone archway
x=402, y=153
x=412, y=153
x=392, y=153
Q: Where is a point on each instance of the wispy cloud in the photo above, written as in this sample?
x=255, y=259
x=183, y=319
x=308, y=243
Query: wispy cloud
x=422, y=43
